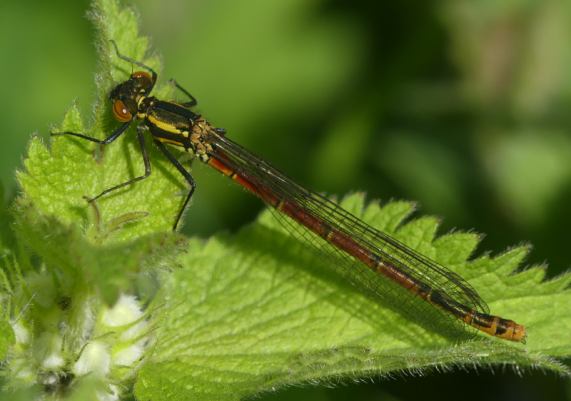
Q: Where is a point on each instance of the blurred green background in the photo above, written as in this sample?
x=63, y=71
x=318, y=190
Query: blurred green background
x=459, y=105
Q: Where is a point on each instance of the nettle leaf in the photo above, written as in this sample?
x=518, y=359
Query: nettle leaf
x=77, y=259
x=83, y=266
x=57, y=178
x=7, y=338
x=238, y=319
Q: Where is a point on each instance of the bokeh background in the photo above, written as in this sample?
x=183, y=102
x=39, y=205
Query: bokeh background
x=462, y=106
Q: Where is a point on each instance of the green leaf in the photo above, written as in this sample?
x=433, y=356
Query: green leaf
x=254, y=312
x=24, y=394
x=7, y=338
x=57, y=179
x=121, y=233
x=77, y=259
x=85, y=267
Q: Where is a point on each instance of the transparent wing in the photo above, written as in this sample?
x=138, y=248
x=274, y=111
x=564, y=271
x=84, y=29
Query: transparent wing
x=265, y=179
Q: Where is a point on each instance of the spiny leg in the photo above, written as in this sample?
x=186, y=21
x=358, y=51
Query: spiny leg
x=141, y=137
x=133, y=61
x=186, y=176
x=114, y=135
x=193, y=102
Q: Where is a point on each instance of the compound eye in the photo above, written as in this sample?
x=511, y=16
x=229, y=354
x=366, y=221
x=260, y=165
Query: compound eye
x=121, y=112
x=141, y=75
x=143, y=80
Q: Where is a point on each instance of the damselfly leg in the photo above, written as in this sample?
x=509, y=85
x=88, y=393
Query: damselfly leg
x=192, y=102
x=146, y=161
x=185, y=173
x=154, y=74
x=116, y=134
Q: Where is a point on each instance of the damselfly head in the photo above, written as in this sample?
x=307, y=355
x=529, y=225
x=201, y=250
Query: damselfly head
x=126, y=95
x=139, y=83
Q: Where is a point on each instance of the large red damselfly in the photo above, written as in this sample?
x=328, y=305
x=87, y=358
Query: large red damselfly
x=355, y=243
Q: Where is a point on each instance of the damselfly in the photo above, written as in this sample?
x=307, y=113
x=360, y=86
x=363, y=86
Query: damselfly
x=356, y=244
